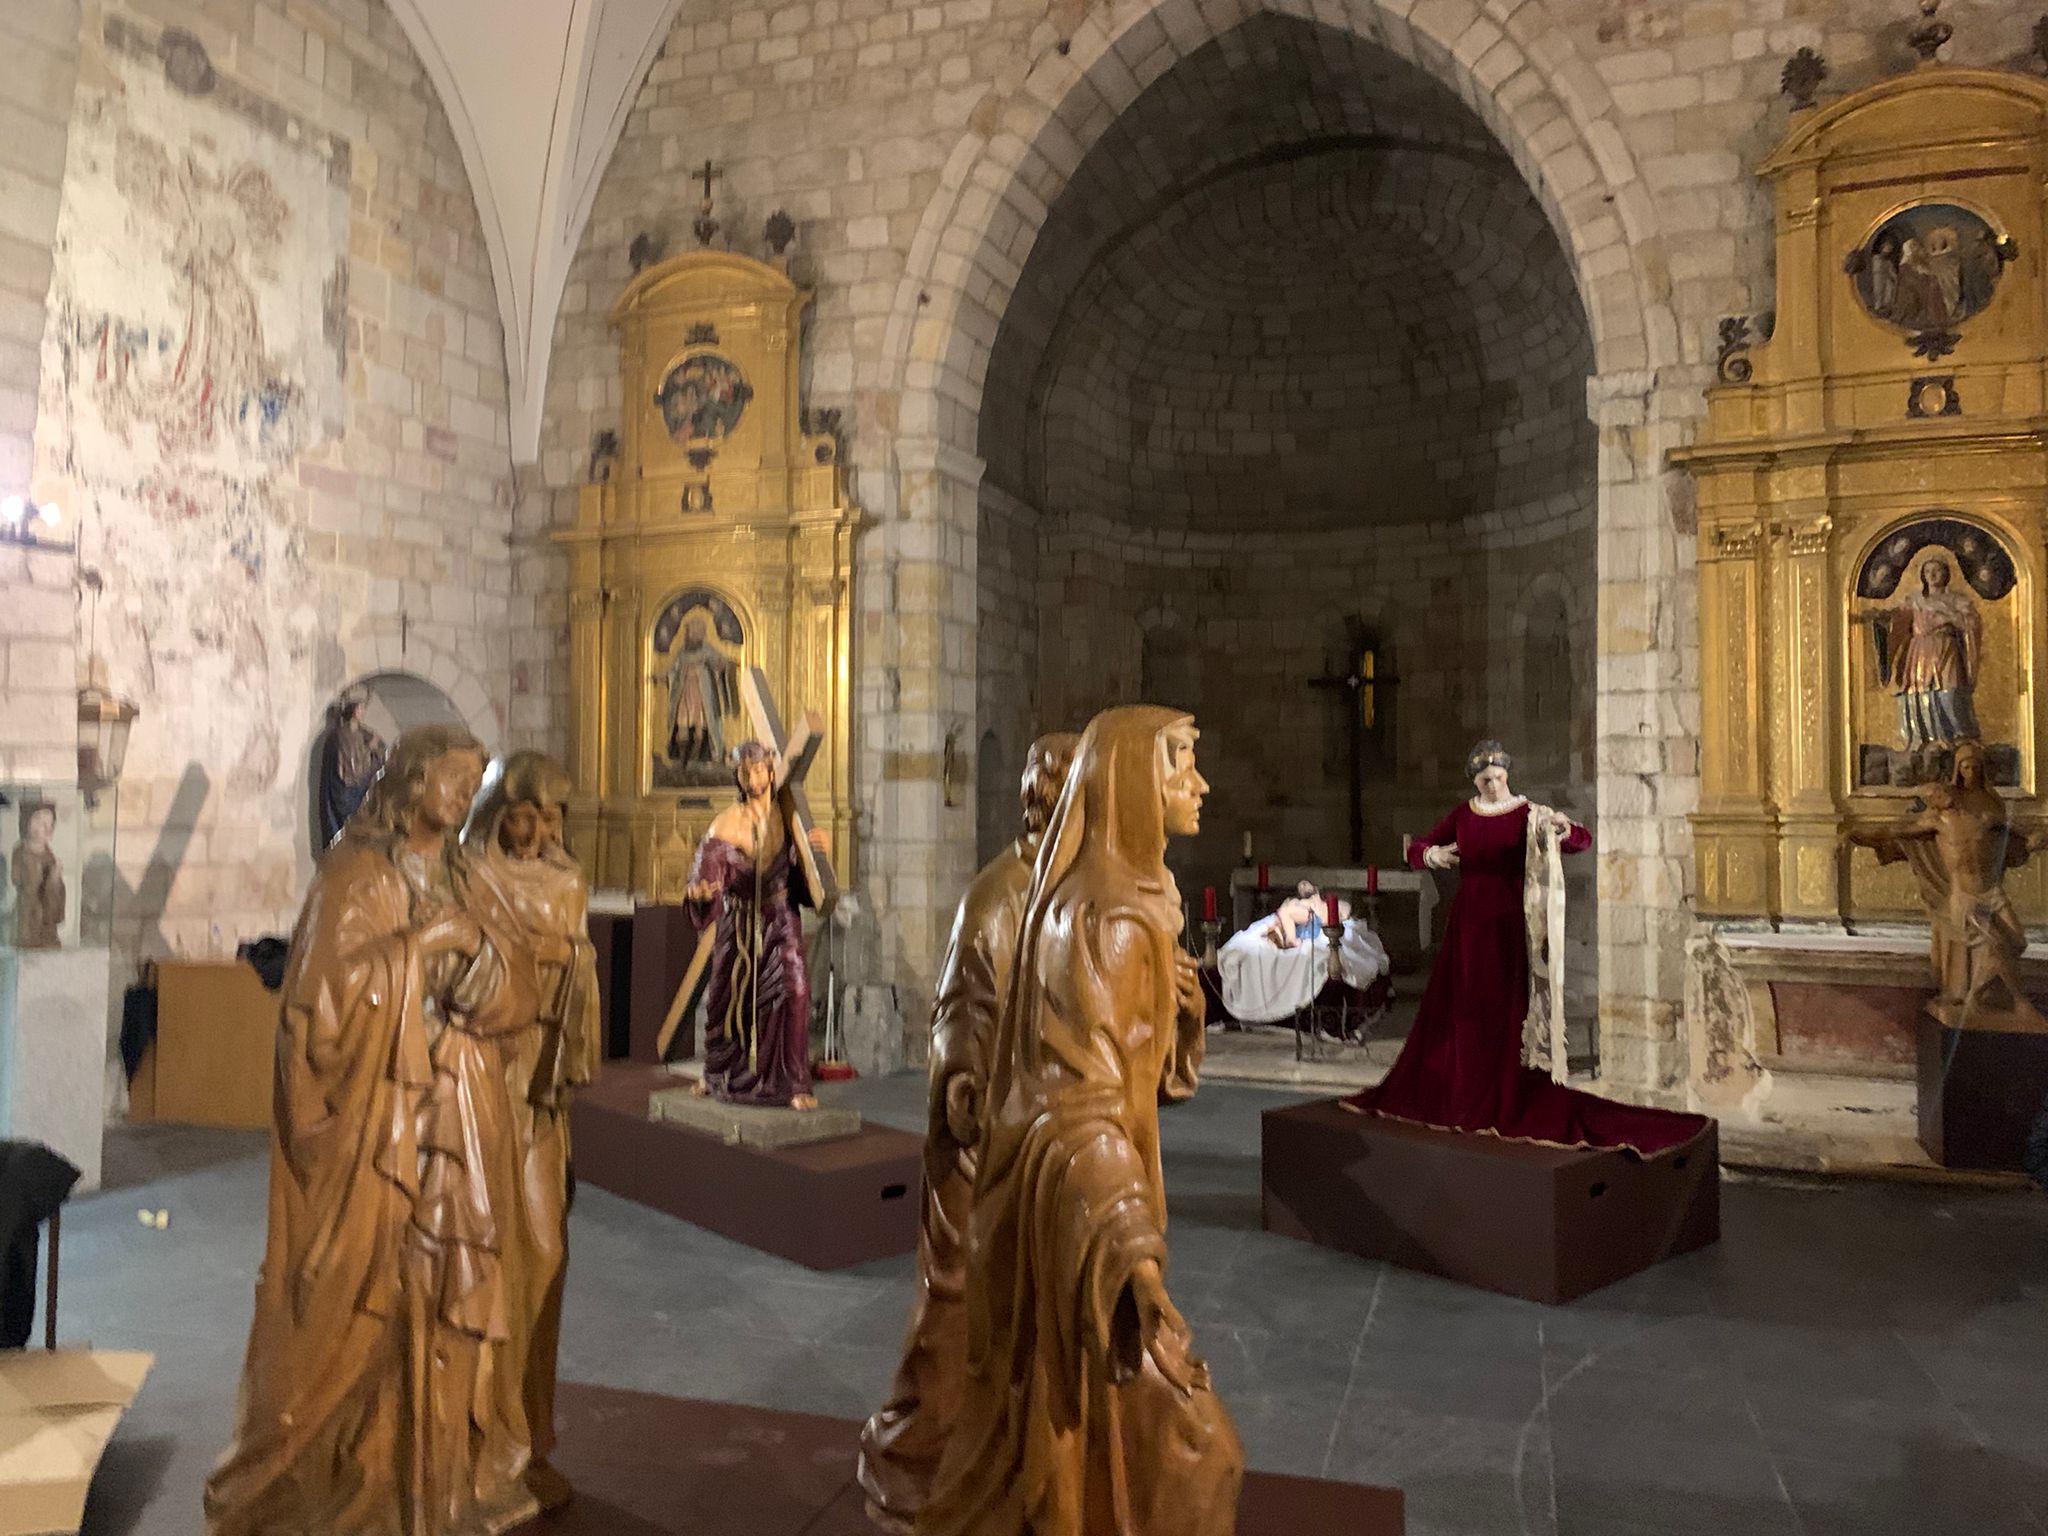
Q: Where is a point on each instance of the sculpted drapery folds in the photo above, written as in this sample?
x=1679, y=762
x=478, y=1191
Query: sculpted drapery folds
x=1084, y=1410
x=1936, y=644
x=382, y=1302
x=901, y=1444
x=516, y=873
x=1959, y=847
x=747, y=885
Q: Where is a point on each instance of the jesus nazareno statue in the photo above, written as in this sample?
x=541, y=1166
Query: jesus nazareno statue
x=747, y=884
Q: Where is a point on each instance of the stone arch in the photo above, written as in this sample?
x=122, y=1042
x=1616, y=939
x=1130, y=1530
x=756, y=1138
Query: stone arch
x=1548, y=108
x=1517, y=68
x=395, y=700
x=479, y=708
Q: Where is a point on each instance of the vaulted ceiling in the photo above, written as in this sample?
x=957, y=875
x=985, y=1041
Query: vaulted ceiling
x=537, y=93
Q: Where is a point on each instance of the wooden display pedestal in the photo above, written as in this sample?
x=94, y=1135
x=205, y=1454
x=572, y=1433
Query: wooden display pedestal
x=645, y=1465
x=1546, y=1223
x=825, y=1204
x=1980, y=1091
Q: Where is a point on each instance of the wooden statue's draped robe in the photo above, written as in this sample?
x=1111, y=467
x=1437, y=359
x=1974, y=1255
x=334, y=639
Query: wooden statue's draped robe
x=1065, y=1426
x=366, y=1400
x=539, y=899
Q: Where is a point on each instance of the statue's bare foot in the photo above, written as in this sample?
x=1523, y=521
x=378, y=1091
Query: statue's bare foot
x=701, y=1089
x=804, y=1101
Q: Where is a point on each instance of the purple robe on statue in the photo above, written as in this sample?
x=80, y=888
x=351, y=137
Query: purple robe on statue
x=757, y=1032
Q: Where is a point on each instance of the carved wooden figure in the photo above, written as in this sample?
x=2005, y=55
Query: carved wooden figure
x=901, y=1444
x=1085, y=1410
x=368, y=1402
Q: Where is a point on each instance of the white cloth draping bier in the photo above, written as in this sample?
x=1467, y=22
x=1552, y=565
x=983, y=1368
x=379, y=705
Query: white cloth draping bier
x=1264, y=984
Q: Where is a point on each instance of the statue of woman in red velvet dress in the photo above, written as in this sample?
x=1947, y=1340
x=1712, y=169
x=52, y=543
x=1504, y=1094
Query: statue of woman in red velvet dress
x=1462, y=1068
x=749, y=881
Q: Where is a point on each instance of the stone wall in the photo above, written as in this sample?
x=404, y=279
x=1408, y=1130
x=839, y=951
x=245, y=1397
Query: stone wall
x=921, y=148
x=38, y=686
x=273, y=389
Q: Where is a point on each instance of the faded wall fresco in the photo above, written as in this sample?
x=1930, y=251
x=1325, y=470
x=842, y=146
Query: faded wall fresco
x=196, y=346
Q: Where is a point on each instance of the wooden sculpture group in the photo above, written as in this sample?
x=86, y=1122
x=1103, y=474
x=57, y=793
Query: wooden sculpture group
x=439, y=1008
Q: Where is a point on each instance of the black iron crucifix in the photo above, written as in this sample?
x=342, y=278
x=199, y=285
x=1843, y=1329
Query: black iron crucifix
x=706, y=226
x=1365, y=691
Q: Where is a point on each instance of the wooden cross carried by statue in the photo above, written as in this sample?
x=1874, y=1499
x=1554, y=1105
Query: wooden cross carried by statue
x=794, y=753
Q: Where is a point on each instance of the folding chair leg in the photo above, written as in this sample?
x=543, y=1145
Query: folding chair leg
x=50, y=1288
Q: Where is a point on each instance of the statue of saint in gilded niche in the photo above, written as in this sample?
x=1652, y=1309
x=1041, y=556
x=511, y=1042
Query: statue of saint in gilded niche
x=1936, y=639
x=1959, y=847
x=694, y=729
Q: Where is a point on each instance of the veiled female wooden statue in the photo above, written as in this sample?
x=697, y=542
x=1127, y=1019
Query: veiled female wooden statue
x=517, y=873
x=1085, y=1411
x=383, y=1290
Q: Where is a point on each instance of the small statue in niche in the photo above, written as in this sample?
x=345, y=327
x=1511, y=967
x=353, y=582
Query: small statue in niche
x=38, y=877
x=349, y=761
x=1935, y=640
x=1959, y=846
x=703, y=688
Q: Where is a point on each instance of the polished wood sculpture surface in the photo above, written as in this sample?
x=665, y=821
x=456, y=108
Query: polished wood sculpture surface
x=1084, y=1409
x=438, y=1004
x=901, y=1444
x=516, y=873
x=1959, y=846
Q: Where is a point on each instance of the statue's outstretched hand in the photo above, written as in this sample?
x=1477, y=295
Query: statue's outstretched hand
x=820, y=841
x=700, y=890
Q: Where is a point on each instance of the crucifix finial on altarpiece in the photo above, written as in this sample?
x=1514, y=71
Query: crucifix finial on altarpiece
x=705, y=225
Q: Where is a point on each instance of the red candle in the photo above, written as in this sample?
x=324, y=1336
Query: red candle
x=1335, y=922
x=1372, y=879
x=1209, y=903
x=1264, y=883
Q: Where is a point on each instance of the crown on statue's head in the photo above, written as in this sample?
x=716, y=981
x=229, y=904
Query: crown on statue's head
x=1487, y=754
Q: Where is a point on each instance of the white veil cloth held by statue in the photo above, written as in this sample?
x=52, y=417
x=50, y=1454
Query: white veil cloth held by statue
x=1543, y=1042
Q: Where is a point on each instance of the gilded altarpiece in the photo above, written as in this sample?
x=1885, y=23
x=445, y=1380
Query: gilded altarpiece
x=717, y=537
x=1871, y=486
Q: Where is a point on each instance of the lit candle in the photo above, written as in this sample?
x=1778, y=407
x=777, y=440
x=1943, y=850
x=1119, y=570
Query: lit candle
x=1372, y=879
x=1208, y=903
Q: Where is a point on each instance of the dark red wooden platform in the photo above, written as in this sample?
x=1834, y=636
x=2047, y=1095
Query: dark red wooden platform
x=645, y=1465
x=825, y=1205
x=1980, y=1091
x=1547, y=1223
